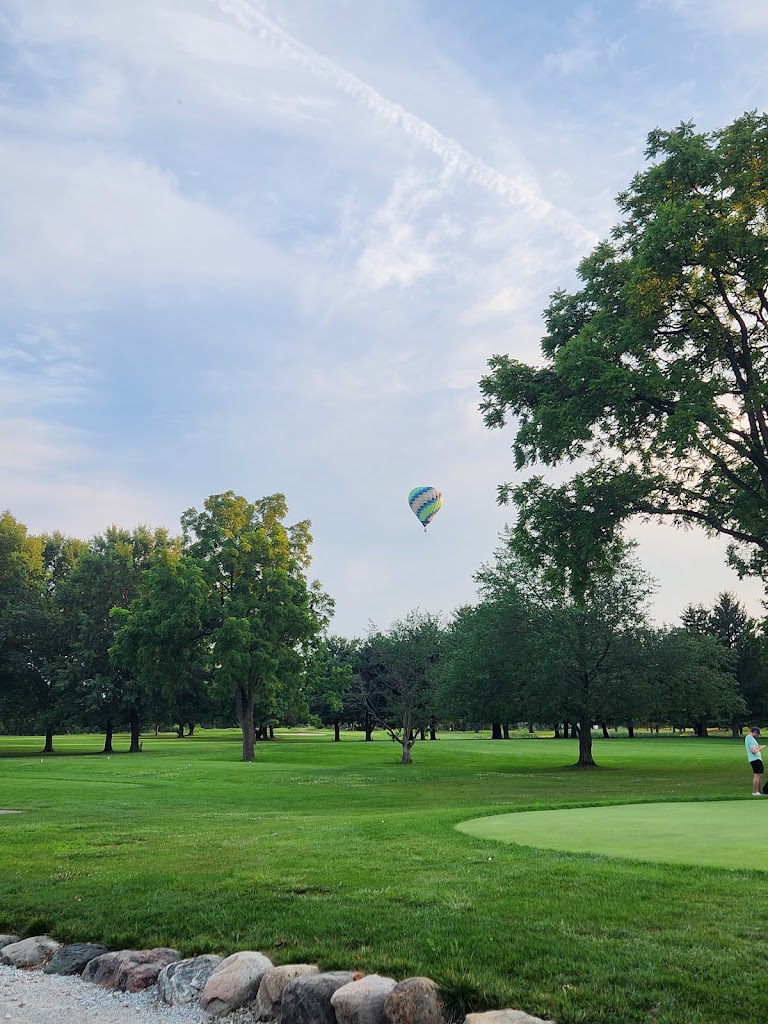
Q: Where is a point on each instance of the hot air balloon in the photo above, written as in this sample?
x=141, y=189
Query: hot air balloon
x=425, y=503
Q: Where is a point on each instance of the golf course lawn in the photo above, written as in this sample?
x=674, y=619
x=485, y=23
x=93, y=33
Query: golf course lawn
x=722, y=835
x=336, y=854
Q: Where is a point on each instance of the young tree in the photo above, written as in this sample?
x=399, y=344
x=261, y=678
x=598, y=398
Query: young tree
x=262, y=614
x=655, y=373
x=398, y=680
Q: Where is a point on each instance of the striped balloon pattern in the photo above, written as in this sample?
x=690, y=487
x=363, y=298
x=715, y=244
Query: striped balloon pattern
x=425, y=503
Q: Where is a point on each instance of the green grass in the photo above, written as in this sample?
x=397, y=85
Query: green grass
x=336, y=854
x=722, y=834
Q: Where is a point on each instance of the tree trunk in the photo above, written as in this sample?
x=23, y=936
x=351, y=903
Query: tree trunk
x=557, y=731
x=505, y=730
x=606, y=734
x=244, y=707
x=133, y=721
x=48, y=748
x=108, y=731
x=433, y=728
x=336, y=736
x=631, y=731
x=368, y=726
x=191, y=729
x=495, y=730
x=585, y=745
x=180, y=731
x=409, y=736
x=566, y=730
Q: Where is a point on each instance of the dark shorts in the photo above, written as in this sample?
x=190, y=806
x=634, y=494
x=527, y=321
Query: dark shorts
x=757, y=767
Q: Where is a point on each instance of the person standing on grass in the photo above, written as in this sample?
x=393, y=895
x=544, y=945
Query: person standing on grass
x=755, y=761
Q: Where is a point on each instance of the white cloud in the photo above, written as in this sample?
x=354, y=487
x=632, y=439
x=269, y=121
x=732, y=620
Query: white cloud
x=518, y=190
x=732, y=18
x=571, y=60
x=74, y=221
x=41, y=367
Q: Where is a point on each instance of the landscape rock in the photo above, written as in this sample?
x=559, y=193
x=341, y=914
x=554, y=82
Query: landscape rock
x=270, y=995
x=307, y=1000
x=183, y=981
x=234, y=982
x=29, y=952
x=504, y=1017
x=414, y=1001
x=72, y=959
x=129, y=970
x=362, y=1002
x=6, y=940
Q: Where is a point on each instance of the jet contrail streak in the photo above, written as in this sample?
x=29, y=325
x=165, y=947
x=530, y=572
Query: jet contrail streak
x=453, y=155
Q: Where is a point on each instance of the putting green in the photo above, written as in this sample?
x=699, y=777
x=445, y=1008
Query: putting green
x=728, y=834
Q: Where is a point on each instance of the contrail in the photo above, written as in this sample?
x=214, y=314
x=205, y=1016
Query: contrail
x=453, y=155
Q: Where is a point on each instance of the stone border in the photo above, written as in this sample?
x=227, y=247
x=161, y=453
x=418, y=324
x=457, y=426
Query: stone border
x=287, y=994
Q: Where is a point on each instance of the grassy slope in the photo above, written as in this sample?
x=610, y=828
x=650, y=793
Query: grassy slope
x=336, y=854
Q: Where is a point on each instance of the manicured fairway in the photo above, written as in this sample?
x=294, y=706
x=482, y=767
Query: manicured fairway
x=732, y=834
x=335, y=854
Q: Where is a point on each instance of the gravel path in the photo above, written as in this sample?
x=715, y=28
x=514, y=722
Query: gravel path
x=31, y=997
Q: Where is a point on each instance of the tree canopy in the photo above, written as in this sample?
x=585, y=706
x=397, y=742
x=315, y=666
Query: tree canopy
x=655, y=372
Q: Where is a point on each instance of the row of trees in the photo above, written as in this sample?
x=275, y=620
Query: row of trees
x=221, y=625
x=529, y=652
x=137, y=626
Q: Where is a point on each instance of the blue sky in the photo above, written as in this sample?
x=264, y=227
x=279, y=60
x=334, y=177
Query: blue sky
x=269, y=245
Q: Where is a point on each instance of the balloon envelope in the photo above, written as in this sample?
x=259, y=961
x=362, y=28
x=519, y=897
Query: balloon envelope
x=425, y=503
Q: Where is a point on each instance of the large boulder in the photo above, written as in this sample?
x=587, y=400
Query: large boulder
x=7, y=940
x=362, y=1002
x=183, y=981
x=29, y=952
x=234, y=982
x=307, y=1000
x=269, y=999
x=74, y=958
x=414, y=1001
x=504, y=1017
x=129, y=970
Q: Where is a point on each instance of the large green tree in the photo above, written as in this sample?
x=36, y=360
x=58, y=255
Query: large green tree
x=21, y=586
x=693, y=680
x=728, y=622
x=263, y=615
x=654, y=374
x=161, y=638
x=107, y=575
x=330, y=679
x=576, y=654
